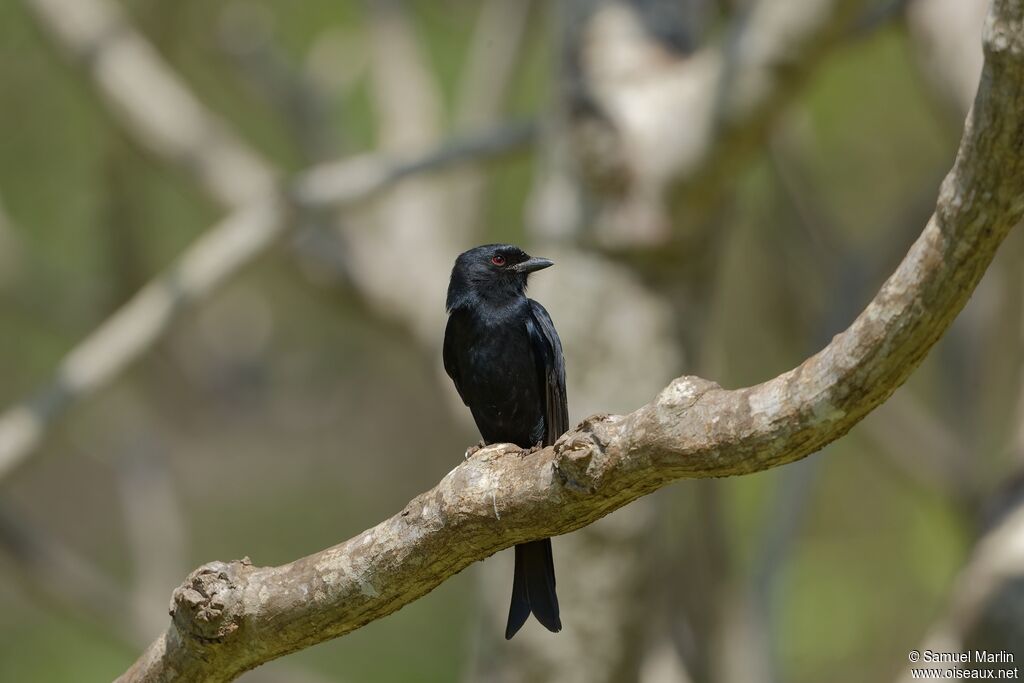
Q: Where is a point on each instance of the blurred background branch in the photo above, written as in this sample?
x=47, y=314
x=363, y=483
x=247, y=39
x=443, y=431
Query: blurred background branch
x=633, y=88
x=223, y=251
x=150, y=101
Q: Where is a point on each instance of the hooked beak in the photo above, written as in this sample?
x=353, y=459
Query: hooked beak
x=533, y=264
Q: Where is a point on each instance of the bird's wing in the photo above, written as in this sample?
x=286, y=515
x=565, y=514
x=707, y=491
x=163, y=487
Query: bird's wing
x=451, y=365
x=547, y=351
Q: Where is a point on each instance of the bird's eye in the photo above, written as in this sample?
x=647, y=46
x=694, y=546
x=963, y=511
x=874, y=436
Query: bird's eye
x=498, y=260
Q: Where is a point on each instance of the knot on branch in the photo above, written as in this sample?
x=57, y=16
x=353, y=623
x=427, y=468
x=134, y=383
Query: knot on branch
x=208, y=606
x=684, y=392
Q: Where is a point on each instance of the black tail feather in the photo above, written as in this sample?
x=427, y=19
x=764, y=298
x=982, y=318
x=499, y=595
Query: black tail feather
x=533, y=588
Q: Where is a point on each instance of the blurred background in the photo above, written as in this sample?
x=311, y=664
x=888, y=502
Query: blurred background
x=723, y=184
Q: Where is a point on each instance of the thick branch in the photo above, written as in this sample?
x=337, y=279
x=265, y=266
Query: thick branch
x=57, y=576
x=230, y=617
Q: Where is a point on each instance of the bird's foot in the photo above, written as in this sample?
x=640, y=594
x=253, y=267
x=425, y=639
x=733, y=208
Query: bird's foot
x=533, y=449
x=471, y=451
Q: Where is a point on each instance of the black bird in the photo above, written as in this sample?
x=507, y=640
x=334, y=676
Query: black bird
x=502, y=352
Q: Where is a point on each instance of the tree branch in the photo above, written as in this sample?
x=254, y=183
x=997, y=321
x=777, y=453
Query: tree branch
x=68, y=582
x=230, y=617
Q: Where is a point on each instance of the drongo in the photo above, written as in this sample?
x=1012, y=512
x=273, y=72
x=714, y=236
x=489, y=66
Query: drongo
x=502, y=352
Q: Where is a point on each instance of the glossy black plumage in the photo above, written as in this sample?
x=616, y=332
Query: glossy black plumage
x=503, y=353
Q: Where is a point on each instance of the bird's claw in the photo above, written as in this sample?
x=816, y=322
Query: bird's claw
x=471, y=451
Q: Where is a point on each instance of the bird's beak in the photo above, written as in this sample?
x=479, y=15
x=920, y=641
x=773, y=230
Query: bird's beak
x=532, y=264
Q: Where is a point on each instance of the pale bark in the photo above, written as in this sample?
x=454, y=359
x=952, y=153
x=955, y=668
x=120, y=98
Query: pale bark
x=231, y=616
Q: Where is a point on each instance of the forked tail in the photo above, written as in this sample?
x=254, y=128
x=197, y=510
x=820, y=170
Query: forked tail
x=533, y=589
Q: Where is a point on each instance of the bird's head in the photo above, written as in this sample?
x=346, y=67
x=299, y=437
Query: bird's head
x=492, y=273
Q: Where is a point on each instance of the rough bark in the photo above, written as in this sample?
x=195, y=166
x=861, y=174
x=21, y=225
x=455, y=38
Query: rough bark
x=232, y=616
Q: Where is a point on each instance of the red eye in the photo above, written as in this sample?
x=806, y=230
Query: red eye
x=498, y=260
